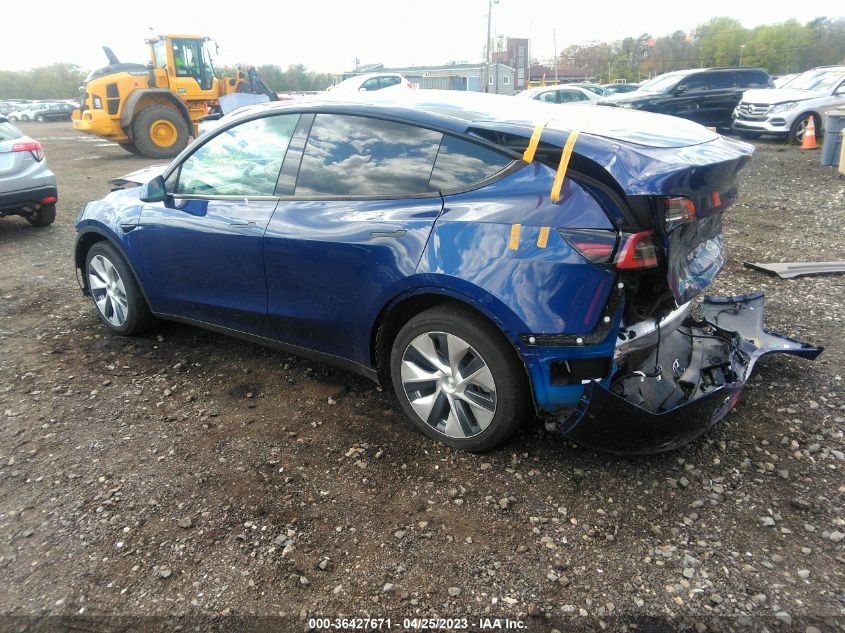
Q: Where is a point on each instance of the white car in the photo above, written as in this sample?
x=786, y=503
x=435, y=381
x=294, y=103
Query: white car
x=28, y=112
x=562, y=93
x=786, y=111
x=372, y=81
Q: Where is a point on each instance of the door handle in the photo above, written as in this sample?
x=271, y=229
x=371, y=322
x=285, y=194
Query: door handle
x=397, y=233
x=241, y=223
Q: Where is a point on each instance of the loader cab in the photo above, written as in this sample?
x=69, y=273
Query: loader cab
x=184, y=64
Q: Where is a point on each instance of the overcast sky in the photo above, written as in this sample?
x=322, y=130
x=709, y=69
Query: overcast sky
x=329, y=35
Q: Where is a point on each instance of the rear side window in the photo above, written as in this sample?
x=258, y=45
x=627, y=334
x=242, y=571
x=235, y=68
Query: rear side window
x=392, y=80
x=719, y=81
x=753, y=78
x=8, y=131
x=461, y=163
x=360, y=156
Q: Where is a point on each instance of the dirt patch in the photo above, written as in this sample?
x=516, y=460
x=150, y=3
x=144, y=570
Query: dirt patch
x=186, y=473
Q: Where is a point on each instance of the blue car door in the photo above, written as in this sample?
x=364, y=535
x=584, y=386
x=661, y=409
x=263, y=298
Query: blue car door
x=203, y=248
x=352, y=232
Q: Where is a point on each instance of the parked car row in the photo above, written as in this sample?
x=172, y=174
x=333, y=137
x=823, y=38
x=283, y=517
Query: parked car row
x=45, y=111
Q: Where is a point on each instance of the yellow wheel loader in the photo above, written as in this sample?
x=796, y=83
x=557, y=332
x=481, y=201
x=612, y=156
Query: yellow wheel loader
x=153, y=109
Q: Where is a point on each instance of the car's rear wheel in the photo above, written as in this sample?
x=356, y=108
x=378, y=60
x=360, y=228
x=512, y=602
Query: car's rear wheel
x=44, y=215
x=458, y=378
x=24, y=117
x=39, y=118
x=116, y=294
x=799, y=127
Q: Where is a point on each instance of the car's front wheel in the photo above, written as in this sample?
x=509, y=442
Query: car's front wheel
x=799, y=128
x=40, y=118
x=458, y=378
x=116, y=294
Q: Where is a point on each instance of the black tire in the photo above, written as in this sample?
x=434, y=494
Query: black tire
x=130, y=147
x=512, y=397
x=750, y=135
x=138, y=315
x=142, y=132
x=44, y=215
x=39, y=118
x=796, y=132
x=24, y=117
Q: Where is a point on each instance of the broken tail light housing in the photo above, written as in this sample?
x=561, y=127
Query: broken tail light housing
x=638, y=250
x=627, y=251
x=678, y=210
x=33, y=147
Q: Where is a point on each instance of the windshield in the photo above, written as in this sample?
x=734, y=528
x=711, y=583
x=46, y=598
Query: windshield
x=818, y=79
x=661, y=83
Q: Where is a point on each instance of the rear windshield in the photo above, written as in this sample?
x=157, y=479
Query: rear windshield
x=8, y=131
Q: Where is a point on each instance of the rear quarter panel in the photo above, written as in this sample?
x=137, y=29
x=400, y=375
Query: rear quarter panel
x=500, y=245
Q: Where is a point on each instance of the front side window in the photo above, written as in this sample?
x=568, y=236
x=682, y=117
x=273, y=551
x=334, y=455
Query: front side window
x=461, y=163
x=696, y=83
x=392, y=80
x=244, y=160
x=188, y=62
x=569, y=96
x=549, y=97
x=360, y=156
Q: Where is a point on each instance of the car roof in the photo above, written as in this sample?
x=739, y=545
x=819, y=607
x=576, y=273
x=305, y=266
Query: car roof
x=448, y=110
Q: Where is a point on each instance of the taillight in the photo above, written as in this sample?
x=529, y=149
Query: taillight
x=596, y=245
x=638, y=250
x=678, y=211
x=34, y=147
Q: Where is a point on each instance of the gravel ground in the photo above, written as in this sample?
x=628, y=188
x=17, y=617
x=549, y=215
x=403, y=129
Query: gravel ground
x=189, y=475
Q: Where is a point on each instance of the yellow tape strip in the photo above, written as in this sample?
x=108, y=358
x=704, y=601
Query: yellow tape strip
x=528, y=156
x=564, y=163
x=543, y=238
x=513, y=243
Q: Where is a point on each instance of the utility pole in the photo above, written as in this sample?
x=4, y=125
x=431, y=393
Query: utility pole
x=487, y=48
x=554, y=44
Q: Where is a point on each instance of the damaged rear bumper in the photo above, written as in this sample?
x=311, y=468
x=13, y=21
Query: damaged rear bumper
x=683, y=387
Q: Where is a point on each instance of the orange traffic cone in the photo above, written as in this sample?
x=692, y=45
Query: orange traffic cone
x=808, y=141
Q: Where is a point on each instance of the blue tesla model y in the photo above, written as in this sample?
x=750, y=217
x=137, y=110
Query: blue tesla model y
x=492, y=260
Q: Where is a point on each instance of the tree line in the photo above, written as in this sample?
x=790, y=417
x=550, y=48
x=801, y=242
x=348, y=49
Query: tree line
x=62, y=81
x=786, y=47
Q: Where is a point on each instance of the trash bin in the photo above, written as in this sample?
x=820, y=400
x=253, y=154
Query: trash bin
x=833, y=125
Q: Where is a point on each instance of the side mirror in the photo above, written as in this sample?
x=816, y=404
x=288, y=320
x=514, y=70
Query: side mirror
x=154, y=191
x=679, y=90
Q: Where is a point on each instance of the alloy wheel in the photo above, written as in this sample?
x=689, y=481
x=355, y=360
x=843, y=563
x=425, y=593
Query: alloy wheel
x=108, y=290
x=448, y=384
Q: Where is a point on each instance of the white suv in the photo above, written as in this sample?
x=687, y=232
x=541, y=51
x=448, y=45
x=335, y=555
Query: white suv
x=786, y=111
